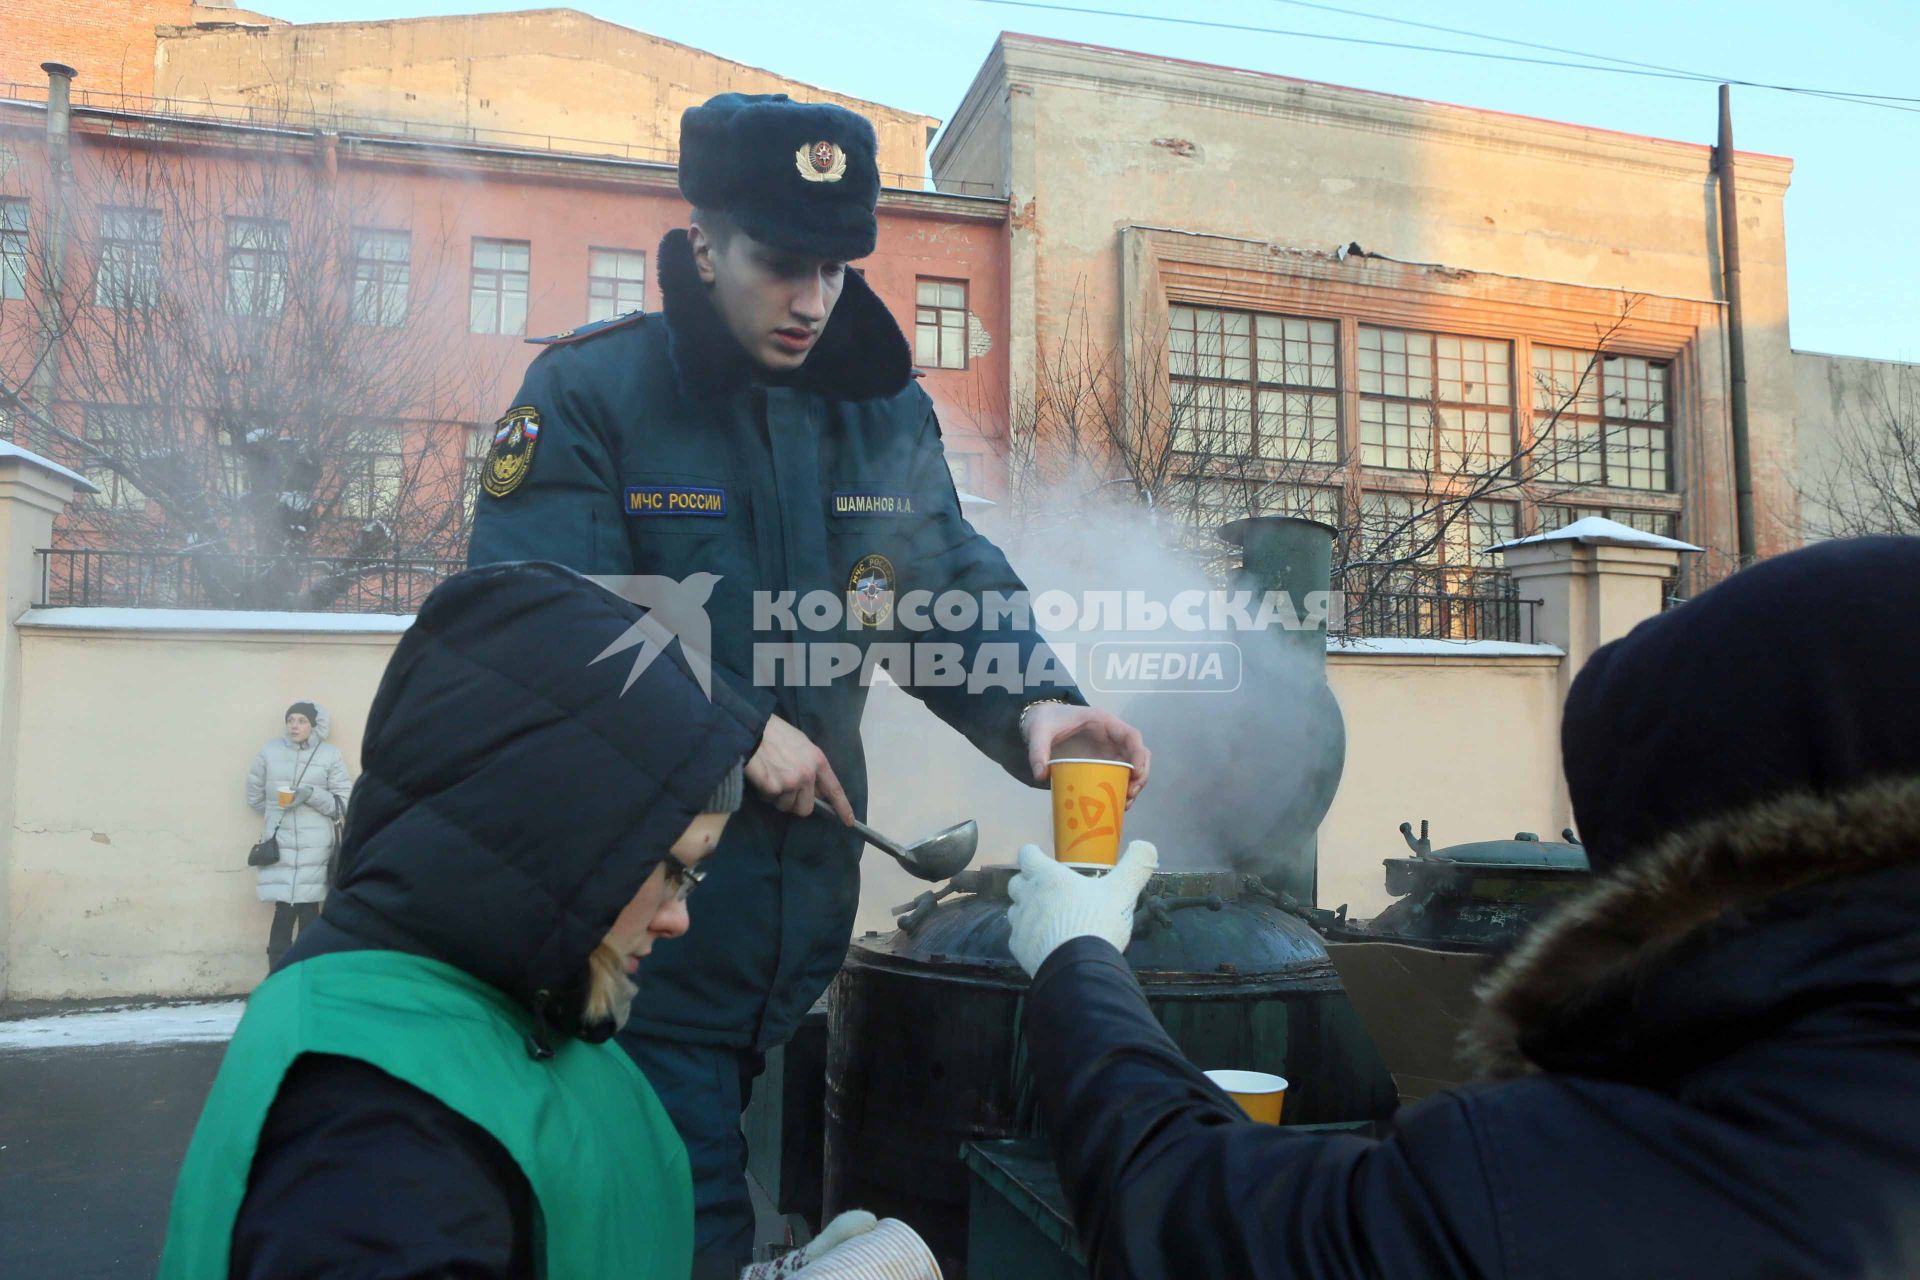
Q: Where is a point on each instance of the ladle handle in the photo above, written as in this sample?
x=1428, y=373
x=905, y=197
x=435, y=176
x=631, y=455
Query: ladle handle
x=871, y=836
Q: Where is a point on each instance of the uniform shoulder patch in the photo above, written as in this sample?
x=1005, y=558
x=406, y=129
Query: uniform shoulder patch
x=593, y=330
x=511, y=456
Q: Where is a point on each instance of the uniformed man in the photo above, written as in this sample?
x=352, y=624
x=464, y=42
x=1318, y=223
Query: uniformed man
x=763, y=434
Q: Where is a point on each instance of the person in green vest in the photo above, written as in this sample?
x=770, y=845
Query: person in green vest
x=425, y=1086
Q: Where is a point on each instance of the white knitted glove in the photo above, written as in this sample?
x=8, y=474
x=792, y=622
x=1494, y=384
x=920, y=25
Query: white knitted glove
x=855, y=1247
x=1053, y=904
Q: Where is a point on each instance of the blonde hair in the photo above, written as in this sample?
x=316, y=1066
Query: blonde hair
x=610, y=991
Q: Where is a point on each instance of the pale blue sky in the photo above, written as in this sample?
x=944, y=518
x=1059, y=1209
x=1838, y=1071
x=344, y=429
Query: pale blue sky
x=1853, y=213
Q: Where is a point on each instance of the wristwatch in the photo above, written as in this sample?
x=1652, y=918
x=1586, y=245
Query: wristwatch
x=1039, y=702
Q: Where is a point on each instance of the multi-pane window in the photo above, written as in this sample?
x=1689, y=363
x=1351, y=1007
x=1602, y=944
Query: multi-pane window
x=129, y=271
x=1309, y=502
x=616, y=282
x=382, y=274
x=940, y=324
x=1213, y=420
x=256, y=266
x=1414, y=384
x=1251, y=387
x=1396, y=527
x=1664, y=523
x=964, y=469
x=1475, y=528
x=232, y=467
x=479, y=444
x=1602, y=419
x=13, y=248
x=1635, y=400
x=373, y=472
x=498, y=301
x=123, y=433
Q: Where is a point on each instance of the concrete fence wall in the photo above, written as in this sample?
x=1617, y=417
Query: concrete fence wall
x=131, y=828
x=125, y=736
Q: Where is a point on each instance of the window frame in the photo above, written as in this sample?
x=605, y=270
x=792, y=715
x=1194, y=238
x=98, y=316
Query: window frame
x=373, y=276
x=127, y=266
x=116, y=492
x=475, y=448
x=938, y=323
x=499, y=276
x=1602, y=421
x=1256, y=389
x=614, y=283
x=253, y=270
x=1439, y=460
x=14, y=245
x=365, y=494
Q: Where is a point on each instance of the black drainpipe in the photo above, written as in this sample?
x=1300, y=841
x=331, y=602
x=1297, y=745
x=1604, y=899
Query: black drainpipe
x=1736, y=332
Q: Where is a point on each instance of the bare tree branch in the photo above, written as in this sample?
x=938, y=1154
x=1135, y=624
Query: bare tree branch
x=1871, y=481
x=237, y=392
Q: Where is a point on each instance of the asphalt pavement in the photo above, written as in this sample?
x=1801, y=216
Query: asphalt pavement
x=90, y=1141
x=96, y=1108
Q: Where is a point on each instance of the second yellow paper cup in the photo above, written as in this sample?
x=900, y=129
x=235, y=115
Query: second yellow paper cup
x=1259, y=1094
x=1089, y=802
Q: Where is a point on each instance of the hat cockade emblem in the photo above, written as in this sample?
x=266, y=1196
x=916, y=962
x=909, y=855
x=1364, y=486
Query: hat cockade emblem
x=821, y=161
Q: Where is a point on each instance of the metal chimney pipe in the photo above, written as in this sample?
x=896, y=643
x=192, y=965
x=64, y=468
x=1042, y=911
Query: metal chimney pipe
x=60, y=197
x=1294, y=556
x=59, y=103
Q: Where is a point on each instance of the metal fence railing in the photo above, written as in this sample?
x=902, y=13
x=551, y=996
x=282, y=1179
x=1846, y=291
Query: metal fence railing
x=1480, y=604
x=1442, y=605
x=90, y=578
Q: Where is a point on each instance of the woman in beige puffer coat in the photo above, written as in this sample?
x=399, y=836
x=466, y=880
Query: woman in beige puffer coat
x=302, y=761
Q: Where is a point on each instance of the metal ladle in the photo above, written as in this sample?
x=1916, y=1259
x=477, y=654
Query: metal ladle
x=938, y=857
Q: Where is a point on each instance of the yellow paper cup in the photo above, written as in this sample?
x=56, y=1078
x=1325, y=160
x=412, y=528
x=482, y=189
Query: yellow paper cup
x=285, y=797
x=1089, y=802
x=1259, y=1094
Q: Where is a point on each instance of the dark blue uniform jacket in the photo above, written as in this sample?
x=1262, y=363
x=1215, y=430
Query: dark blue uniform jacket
x=1711, y=1070
x=660, y=453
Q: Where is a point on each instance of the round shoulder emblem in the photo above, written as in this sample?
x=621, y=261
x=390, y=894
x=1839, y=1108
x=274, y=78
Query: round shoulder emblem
x=820, y=161
x=870, y=589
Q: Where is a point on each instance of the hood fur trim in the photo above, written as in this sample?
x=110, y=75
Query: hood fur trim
x=1633, y=922
x=860, y=355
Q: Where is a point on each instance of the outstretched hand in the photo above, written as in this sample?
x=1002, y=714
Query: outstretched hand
x=1053, y=904
x=1094, y=732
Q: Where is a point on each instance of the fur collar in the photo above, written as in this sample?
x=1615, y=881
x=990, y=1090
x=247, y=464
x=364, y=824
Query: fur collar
x=861, y=355
x=1708, y=940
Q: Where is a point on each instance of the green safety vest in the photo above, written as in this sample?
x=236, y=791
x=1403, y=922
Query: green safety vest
x=609, y=1174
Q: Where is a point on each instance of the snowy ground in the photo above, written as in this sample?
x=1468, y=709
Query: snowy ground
x=129, y=1025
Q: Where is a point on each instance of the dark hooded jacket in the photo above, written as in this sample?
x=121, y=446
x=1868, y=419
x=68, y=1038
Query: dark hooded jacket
x=513, y=800
x=1704, y=1067
x=798, y=480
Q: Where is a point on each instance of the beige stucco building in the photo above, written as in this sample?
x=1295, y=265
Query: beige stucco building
x=1488, y=250
x=553, y=78
x=1858, y=435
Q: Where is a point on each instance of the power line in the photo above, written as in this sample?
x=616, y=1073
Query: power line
x=1692, y=77
x=1580, y=53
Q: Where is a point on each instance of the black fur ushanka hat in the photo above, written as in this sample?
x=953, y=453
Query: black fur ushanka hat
x=800, y=176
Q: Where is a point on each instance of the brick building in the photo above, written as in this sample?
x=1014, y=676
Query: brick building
x=442, y=253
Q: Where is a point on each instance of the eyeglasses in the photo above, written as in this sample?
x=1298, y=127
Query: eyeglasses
x=682, y=879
